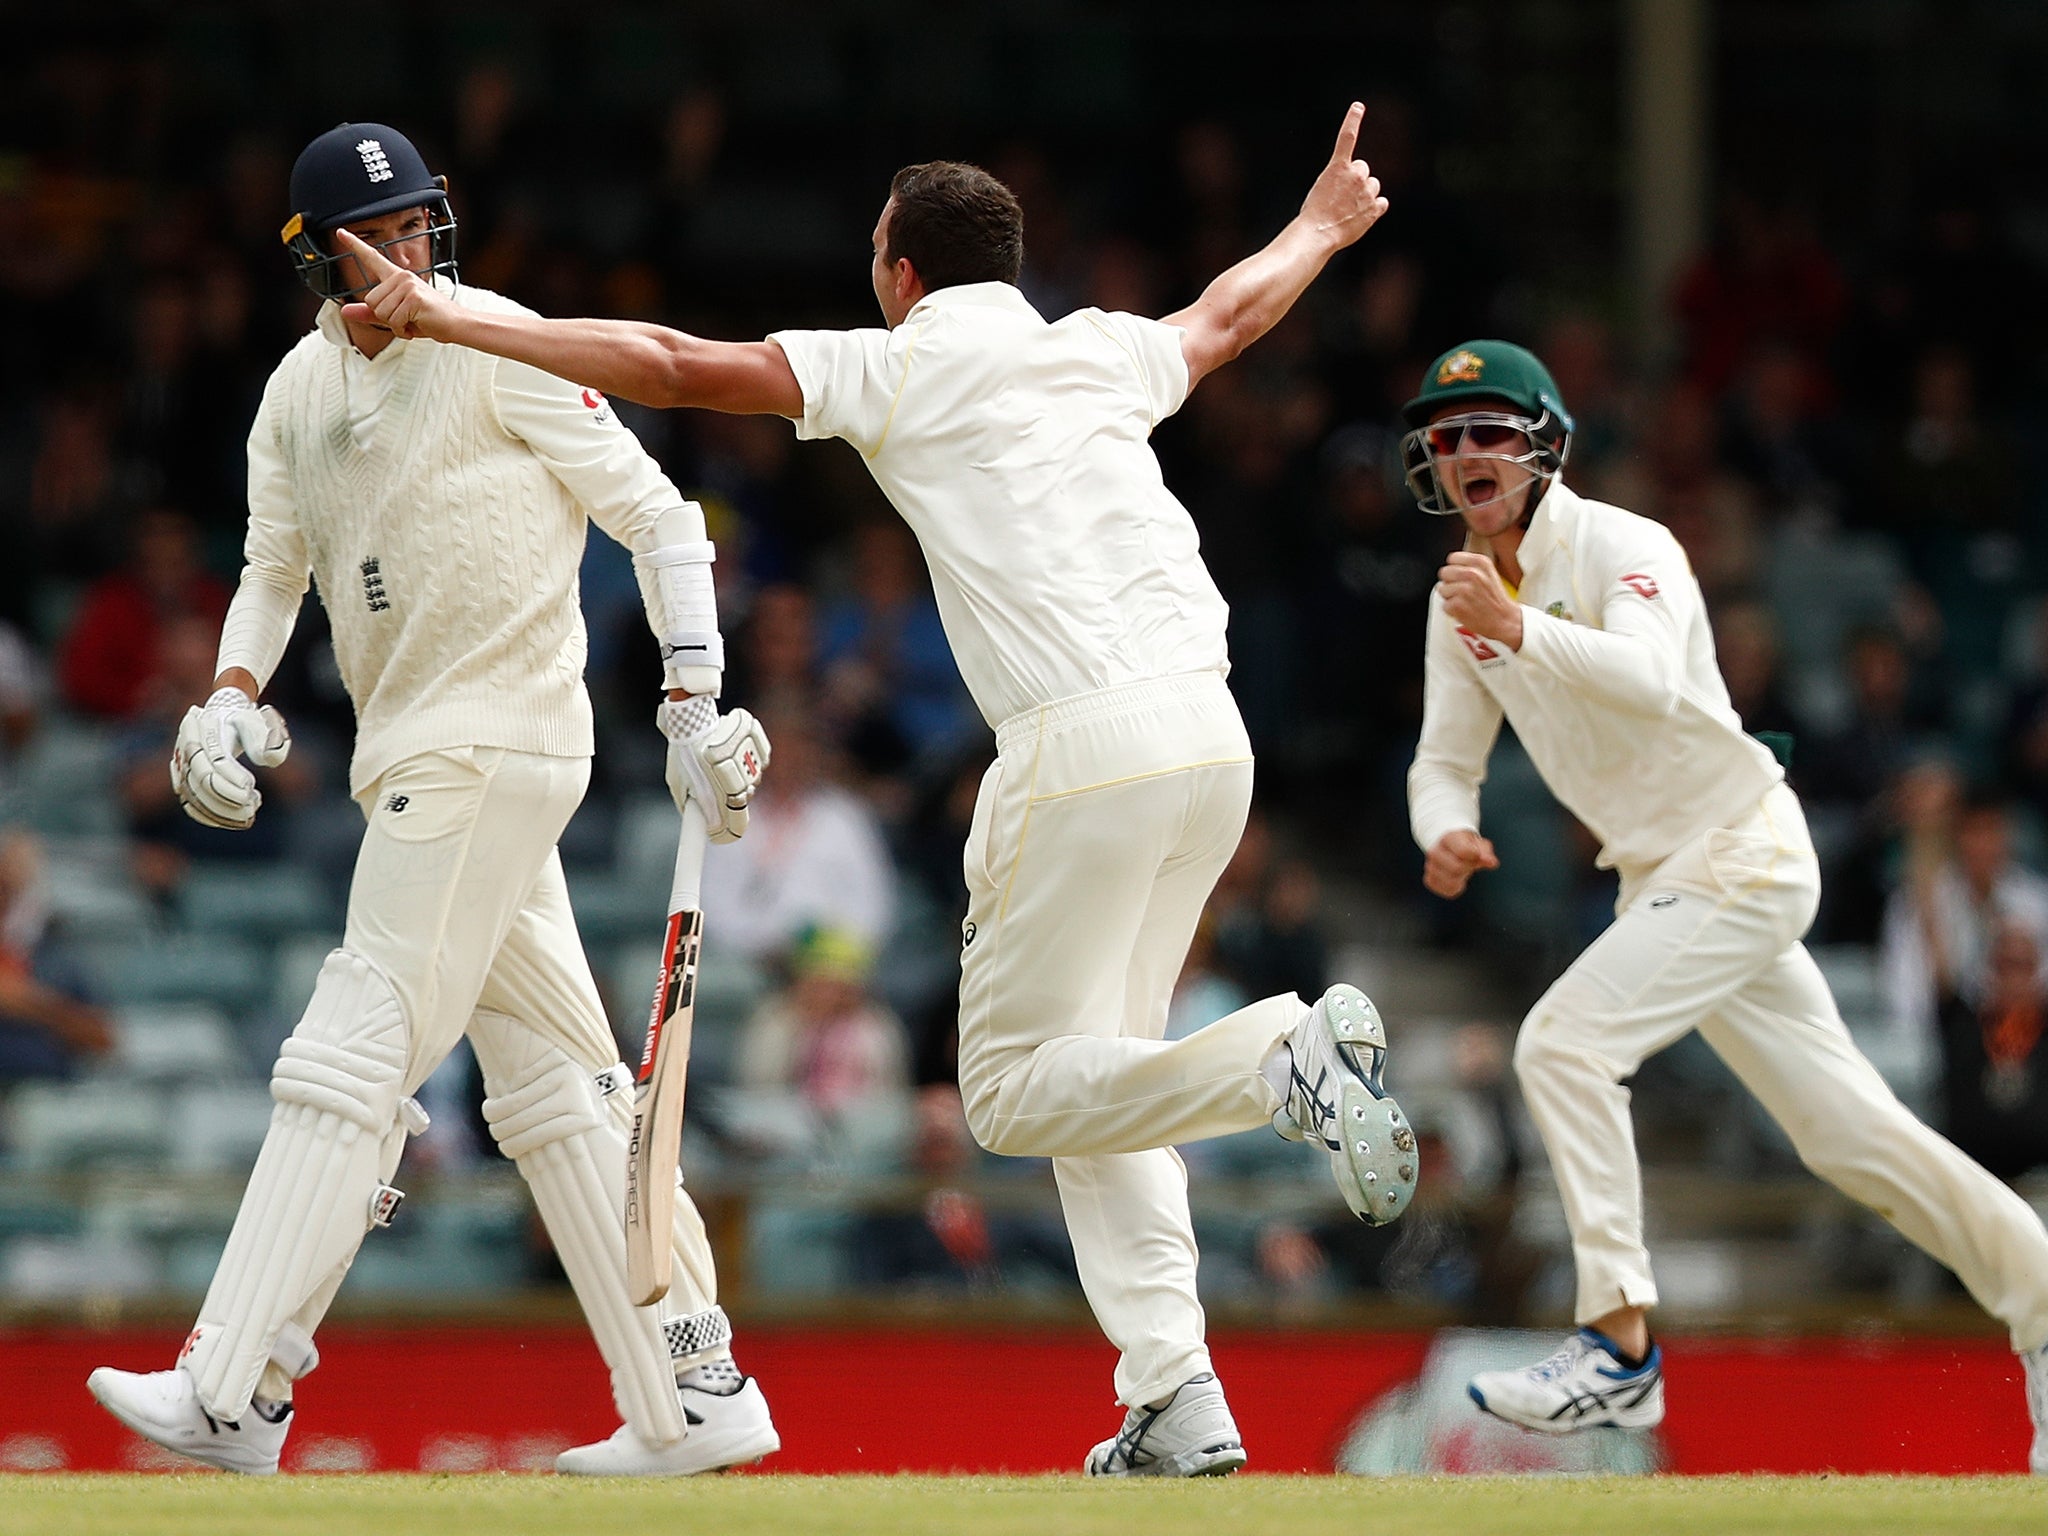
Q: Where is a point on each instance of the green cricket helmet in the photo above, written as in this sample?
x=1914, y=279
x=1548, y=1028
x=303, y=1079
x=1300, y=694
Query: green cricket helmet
x=1516, y=415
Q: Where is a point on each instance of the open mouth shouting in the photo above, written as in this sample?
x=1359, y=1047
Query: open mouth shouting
x=1479, y=489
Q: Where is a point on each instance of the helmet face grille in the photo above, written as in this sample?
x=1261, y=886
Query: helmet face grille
x=321, y=271
x=1539, y=444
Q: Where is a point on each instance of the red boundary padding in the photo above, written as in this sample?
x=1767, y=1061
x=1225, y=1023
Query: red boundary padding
x=929, y=1400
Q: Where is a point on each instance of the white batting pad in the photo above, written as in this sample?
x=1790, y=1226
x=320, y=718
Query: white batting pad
x=337, y=1085
x=551, y=1115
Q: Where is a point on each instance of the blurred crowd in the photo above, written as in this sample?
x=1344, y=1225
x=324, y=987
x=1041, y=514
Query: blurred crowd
x=1838, y=434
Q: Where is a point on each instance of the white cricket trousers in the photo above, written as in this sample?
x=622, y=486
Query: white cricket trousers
x=1099, y=832
x=458, y=896
x=1709, y=940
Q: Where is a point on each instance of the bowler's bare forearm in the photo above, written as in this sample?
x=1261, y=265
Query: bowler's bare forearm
x=1243, y=303
x=1247, y=301
x=639, y=361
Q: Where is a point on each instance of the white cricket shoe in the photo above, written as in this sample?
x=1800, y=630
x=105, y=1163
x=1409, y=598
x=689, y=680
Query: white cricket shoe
x=2036, y=1363
x=725, y=1430
x=1193, y=1435
x=164, y=1406
x=1583, y=1386
x=1335, y=1097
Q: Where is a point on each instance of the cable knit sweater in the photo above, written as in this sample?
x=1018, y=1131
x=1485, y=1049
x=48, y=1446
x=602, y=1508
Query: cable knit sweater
x=437, y=496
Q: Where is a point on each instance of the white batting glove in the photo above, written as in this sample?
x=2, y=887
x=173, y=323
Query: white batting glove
x=716, y=760
x=206, y=768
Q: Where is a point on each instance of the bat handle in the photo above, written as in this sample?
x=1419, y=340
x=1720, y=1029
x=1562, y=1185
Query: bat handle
x=683, y=892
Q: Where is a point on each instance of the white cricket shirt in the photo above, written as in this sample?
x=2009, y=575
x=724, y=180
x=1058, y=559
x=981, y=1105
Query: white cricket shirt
x=1615, y=693
x=438, y=497
x=1019, y=453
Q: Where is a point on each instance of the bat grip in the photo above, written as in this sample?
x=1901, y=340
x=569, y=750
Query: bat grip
x=683, y=892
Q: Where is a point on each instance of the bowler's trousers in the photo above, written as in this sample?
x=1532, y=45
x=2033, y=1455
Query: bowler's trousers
x=1098, y=835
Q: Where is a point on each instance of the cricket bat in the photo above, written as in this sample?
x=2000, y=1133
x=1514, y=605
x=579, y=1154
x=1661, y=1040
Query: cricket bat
x=655, y=1143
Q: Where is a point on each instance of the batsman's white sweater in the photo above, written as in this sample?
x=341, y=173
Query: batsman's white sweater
x=438, y=497
x=1614, y=694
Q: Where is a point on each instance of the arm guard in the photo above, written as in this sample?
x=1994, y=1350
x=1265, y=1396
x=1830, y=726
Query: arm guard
x=682, y=607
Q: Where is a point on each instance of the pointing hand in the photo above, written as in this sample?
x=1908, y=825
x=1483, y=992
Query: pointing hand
x=399, y=301
x=1345, y=201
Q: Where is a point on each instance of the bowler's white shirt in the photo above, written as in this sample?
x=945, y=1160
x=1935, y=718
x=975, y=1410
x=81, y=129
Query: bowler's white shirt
x=1615, y=693
x=1019, y=453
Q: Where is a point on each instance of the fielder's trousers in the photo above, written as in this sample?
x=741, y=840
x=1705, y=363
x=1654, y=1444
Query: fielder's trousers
x=1710, y=940
x=1099, y=832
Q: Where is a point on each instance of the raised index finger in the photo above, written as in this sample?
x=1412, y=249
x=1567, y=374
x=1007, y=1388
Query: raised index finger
x=374, y=261
x=1347, y=136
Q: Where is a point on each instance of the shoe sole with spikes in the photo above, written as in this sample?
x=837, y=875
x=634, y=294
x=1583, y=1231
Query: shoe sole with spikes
x=1376, y=1160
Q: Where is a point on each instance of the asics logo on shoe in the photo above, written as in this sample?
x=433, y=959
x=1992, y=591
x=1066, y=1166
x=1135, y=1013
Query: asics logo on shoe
x=1583, y=1403
x=1313, y=1105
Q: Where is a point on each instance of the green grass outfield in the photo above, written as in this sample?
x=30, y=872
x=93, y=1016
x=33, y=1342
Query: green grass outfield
x=495, y=1505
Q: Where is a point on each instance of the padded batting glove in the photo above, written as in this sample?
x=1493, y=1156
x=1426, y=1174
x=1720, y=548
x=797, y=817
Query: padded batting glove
x=206, y=768
x=716, y=760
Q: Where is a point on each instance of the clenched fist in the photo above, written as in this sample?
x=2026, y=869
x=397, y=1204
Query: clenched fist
x=1477, y=599
x=1449, y=867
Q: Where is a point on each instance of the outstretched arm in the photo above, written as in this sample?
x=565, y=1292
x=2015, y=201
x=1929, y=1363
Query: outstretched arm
x=632, y=359
x=1247, y=301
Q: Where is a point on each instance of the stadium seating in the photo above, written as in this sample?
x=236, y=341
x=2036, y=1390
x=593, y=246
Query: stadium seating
x=88, y=1124
x=253, y=901
x=175, y=1043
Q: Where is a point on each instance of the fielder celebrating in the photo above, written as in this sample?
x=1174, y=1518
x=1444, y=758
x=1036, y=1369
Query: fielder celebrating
x=438, y=496
x=1092, y=638
x=1582, y=626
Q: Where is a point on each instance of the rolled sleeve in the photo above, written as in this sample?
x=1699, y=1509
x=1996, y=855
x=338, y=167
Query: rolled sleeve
x=1155, y=351
x=848, y=382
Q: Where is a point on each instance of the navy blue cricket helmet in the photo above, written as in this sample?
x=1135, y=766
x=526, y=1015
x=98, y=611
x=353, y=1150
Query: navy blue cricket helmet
x=357, y=171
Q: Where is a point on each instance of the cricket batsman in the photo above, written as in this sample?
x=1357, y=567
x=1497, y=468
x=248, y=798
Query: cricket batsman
x=439, y=496
x=1092, y=638
x=1581, y=625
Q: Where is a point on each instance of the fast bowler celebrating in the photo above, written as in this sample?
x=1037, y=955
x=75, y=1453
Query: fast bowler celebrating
x=439, y=497
x=1581, y=625
x=1092, y=638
